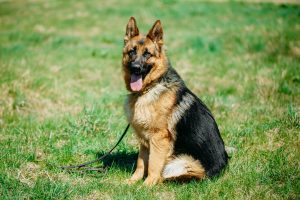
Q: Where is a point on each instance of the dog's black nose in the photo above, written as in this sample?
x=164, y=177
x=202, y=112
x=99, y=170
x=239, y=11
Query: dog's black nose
x=135, y=68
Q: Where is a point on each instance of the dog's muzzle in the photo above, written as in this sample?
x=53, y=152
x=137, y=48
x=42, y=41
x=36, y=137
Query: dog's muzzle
x=135, y=68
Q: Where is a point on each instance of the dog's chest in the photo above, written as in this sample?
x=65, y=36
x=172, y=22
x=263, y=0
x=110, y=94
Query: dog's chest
x=144, y=113
x=141, y=111
x=151, y=110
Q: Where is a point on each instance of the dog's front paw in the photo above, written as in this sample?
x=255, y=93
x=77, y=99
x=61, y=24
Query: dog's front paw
x=134, y=179
x=130, y=181
x=150, y=181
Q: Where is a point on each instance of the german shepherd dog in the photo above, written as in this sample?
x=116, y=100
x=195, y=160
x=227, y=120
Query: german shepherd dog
x=178, y=136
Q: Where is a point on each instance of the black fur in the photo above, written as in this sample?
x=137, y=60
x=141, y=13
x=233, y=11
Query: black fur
x=197, y=132
x=198, y=135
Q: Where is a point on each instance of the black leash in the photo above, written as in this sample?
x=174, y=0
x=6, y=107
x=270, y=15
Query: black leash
x=83, y=165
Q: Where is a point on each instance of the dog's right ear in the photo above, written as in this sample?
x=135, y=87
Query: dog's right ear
x=131, y=30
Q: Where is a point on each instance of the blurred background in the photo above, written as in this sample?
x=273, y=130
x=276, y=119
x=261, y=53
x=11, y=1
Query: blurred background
x=62, y=94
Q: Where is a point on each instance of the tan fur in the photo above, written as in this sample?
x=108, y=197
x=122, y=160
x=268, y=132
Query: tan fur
x=149, y=118
x=142, y=164
x=160, y=150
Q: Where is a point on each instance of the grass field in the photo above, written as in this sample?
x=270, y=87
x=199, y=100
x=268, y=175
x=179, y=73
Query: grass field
x=62, y=93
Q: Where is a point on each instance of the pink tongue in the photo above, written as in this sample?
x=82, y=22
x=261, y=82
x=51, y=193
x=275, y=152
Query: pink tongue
x=136, y=82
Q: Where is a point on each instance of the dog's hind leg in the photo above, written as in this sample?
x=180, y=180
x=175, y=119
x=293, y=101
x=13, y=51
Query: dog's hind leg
x=183, y=167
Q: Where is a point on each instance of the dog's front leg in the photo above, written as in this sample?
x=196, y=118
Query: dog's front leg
x=141, y=165
x=160, y=144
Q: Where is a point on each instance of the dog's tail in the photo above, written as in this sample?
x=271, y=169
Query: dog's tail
x=183, y=167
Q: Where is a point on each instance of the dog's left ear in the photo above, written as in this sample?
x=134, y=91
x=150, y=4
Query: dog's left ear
x=131, y=30
x=156, y=33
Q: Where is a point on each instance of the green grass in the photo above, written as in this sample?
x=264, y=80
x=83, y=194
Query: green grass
x=62, y=93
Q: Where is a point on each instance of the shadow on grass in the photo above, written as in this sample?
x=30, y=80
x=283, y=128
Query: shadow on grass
x=124, y=161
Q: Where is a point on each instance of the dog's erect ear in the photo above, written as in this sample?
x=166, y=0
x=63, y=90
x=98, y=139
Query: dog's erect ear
x=131, y=30
x=156, y=33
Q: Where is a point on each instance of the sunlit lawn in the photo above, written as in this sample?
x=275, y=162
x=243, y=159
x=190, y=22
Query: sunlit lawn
x=62, y=93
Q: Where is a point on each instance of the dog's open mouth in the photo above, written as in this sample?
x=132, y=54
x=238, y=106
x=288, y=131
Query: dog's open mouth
x=136, y=82
x=136, y=78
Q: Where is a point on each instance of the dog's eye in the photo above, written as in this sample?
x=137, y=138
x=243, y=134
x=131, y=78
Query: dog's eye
x=132, y=52
x=147, y=54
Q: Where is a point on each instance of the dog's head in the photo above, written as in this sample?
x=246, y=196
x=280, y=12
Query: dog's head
x=144, y=60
